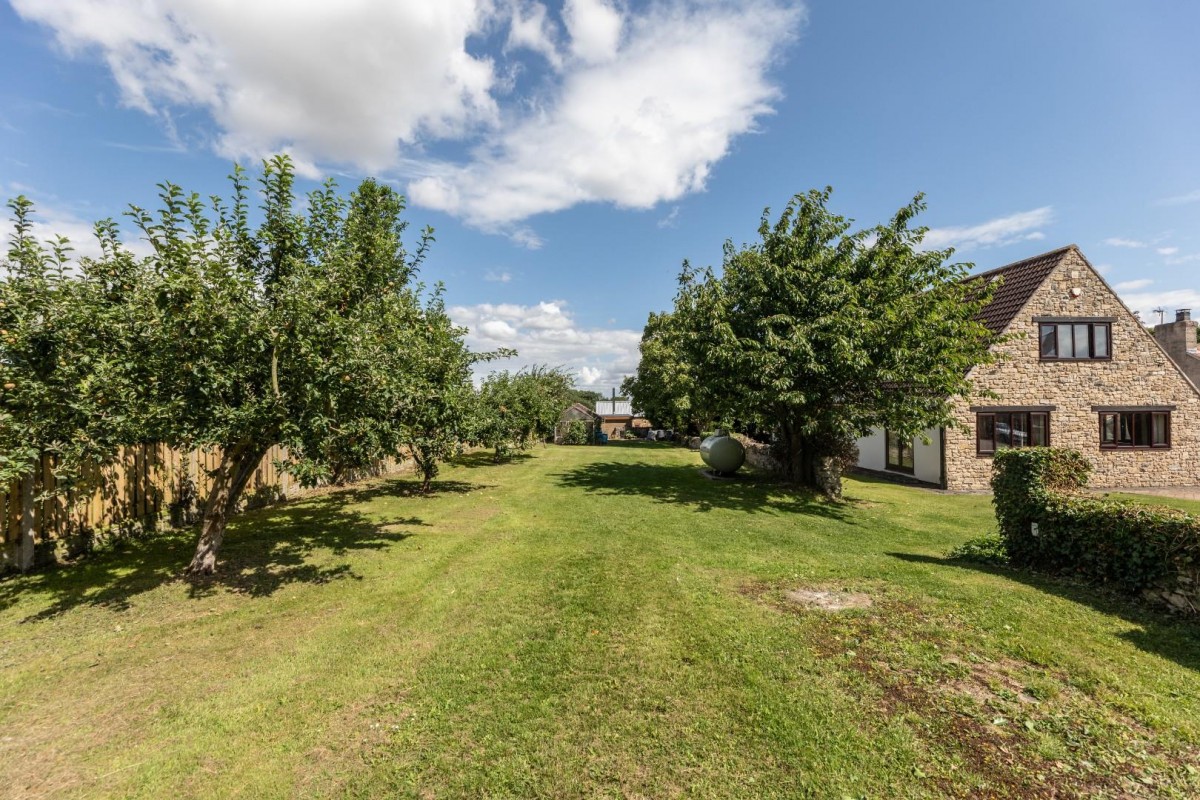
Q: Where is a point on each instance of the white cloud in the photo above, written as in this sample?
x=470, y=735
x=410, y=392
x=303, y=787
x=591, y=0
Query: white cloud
x=1145, y=302
x=638, y=106
x=497, y=277
x=1167, y=251
x=531, y=28
x=331, y=82
x=640, y=129
x=497, y=329
x=547, y=333
x=525, y=237
x=1182, y=199
x=1017, y=227
x=1117, y=241
x=1131, y=286
x=595, y=29
x=671, y=219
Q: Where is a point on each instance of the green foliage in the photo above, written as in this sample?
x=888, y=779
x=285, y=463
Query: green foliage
x=435, y=419
x=68, y=386
x=514, y=410
x=664, y=387
x=823, y=334
x=585, y=397
x=1127, y=545
x=305, y=330
x=990, y=550
x=294, y=332
x=1023, y=480
x=577, y=432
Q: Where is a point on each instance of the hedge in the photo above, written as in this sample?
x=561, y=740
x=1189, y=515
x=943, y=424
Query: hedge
x=1048, y=523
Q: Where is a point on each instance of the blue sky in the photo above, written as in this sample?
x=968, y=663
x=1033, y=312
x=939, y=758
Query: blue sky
x=571, y=155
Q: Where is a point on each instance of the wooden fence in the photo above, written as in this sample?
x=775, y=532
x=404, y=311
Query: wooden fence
x=146, y=485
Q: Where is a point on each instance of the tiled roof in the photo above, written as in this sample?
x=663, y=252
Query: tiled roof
x=580, y=407
x=1019, y=281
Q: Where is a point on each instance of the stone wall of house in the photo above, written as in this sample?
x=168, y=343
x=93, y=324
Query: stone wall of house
x=1139, y=373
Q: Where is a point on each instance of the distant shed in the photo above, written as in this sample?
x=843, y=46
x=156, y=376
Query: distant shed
x=577, y=412
x=618, y=416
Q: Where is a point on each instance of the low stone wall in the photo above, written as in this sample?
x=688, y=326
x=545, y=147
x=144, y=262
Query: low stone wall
x=758, y=455
x=1181, y=595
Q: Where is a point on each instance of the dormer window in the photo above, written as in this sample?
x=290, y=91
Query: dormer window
x=1075, y=339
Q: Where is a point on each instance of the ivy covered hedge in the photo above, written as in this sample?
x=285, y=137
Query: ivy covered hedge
x=1049, y=524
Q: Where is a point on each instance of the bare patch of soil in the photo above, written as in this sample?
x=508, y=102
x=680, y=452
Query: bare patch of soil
x=827, y=600
x=808, y=598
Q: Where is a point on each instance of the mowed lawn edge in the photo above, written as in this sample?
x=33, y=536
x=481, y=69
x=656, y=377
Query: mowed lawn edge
x=594, y=621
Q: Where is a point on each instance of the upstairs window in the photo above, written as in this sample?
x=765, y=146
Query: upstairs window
x=1135, y=430
x=899, y=453
x=1001, y=430
x=1066, y=341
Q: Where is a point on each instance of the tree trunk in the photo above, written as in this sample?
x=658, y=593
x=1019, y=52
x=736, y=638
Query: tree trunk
x=809, y=462
x=338, y=478
x=26, y=544
x=796, y=467
x=238, y=463
x=428, y=472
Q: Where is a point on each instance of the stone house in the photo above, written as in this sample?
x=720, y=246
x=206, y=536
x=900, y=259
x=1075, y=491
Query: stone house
x=1178, y=338
x=1080, y=371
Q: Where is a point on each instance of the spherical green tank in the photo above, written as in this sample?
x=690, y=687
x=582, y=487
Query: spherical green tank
x=723, y=454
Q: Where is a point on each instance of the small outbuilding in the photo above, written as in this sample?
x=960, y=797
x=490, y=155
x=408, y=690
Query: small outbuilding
x=618, y=416
x=576, y=412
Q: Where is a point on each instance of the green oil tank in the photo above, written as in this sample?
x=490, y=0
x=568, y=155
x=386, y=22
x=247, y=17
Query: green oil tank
x=723, y=454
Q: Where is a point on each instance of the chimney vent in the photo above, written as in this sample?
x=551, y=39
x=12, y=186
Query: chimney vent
x=1183, y=314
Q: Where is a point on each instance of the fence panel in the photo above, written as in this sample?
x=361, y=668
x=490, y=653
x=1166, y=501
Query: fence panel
x=140, y=486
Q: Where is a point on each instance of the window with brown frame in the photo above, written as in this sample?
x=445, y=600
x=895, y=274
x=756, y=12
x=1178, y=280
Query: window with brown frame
x=1072, y=341
x=1135, y=430
x=1001, y=430
x=899, y=453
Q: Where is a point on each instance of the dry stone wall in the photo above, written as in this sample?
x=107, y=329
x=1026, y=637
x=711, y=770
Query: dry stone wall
x=1180, y=593
x=759, y=455
x=1138, y=374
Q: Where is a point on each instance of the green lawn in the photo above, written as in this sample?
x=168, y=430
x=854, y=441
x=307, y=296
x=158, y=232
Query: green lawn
x=589, y=622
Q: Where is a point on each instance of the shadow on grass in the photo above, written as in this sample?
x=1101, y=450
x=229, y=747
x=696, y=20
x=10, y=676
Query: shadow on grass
x=1161, y=633
x=640, y=443
x=684, y=485
x=264, y=551
x=409, y=488
x=892, y=479
x=485, y=458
